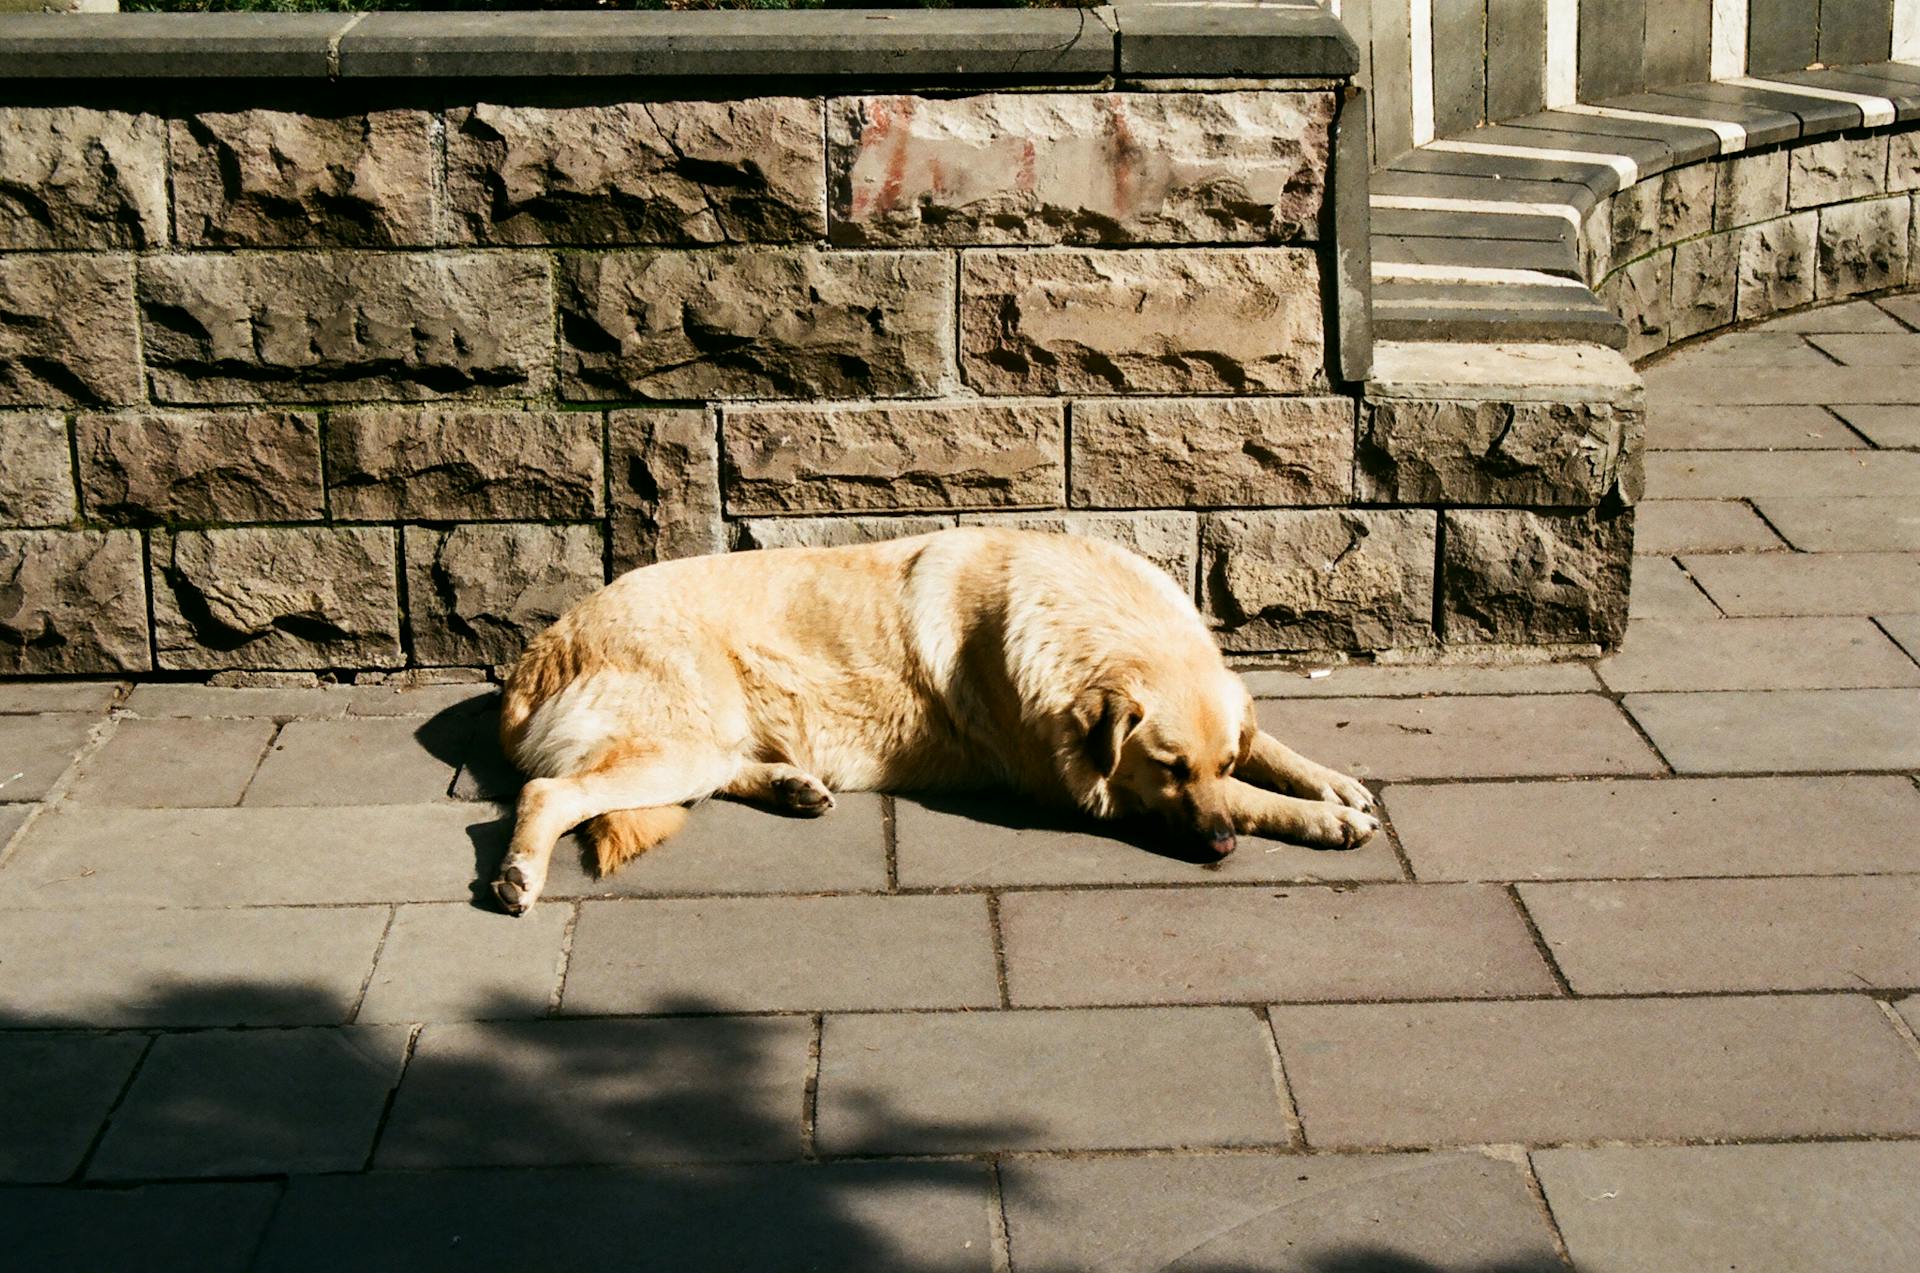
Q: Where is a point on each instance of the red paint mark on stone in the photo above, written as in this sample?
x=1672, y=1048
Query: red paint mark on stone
x=936, y=176
x=1023, y=178
x=1122, y=153
x=889, y=195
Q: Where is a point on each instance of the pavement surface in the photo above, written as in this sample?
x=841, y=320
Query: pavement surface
x=1629, y=985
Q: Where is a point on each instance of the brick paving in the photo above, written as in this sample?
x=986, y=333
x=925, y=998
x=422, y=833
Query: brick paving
x=1630, y=984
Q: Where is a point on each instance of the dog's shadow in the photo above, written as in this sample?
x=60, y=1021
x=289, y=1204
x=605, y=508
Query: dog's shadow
x=1011, y=811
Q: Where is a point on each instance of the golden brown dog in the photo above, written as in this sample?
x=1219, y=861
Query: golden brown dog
x=1064, y=668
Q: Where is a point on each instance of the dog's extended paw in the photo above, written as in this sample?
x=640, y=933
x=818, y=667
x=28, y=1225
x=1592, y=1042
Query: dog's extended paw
x=515, y=889
x=804, y=794
x=1337, y=788
x=1339, y=827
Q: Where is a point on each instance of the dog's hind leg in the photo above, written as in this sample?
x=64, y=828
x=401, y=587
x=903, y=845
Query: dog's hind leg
x=1273, y=764
x=1256, y=811
x=550, y=807
x=781, y=786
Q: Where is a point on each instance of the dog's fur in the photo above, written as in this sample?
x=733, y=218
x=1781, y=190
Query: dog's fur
x=1067, y=669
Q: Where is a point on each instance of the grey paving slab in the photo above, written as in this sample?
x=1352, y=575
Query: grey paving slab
x=782, y=954
x=1466, y=737
x=253, y=1102
x=784, y=1218
x=58, y=696
x=1846, y=525
x=376, y=760
x=1525, y=254
x=57, y=1090
x=560, y=1093
x=1807, y=583
x=1904, y=308
x=1876, y=349
x=1417, y=1075
x=1853, y=316
x=1895, y=426
x=1841, y=1208
x=1783, y=731
x=160, y=700
x=1409, y=681
x=1261, y=1211
x=1754, y=349
x=1423, y=223
x=187, y=968
x=959, y=1082
x=1684, y=142
x=1909, y=1010
x=458, y=962
x=173, y=764
x=1759, y=474
x=1767, y=117
x=735, y=848
x=211, y=1227
x=37, y=750
x=12, y=818
x=1663, y=527
x=1676, y=827
x=1661, y=590
x=1679, y=936
x=83, y=858
x=1251, y=945
x=1905, y=629
x=1742, y=654
x=419, y=700
x=1764, y=386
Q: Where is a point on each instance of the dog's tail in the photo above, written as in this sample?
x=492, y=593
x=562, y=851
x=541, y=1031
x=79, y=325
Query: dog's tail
x=625, y=834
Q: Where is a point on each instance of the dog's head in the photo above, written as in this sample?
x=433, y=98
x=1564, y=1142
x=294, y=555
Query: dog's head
x=1167, y=746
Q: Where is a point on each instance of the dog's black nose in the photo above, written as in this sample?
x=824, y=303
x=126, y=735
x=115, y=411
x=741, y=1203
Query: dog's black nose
x=1221, y=842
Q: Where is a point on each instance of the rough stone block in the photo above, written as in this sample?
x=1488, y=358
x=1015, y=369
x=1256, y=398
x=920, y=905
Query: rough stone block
x=67, y=331
x=756, y=323
x=885, y=457
x=1776, y=265
x=832, y=532
x=1636, y=220
x=36, y=471
x=1421, y=451
x=265, y=178
x=1237, y=167
x=251, y=466
x=477, y=594
x=1751, y=189
x=664, y=480
x=74, y=601
x=1200, y=452
x=1686, y=202
x=1516, y=577
x=1319, y=579
x=1167, y=539
x=71, y=177
x=443, y=465
x=638, y=172
x=1835, y=171
x=293, y=597
x=343, y=326
x=1642, y=294
x=1705, y=271
x=1192, y=320
x=1903, y=162
x=1863, y=247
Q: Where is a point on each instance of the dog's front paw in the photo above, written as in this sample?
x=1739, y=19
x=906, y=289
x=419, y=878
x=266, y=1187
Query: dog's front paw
x=1338, y=827
x=516, y=889
x=803, y=794
x=1337, y=788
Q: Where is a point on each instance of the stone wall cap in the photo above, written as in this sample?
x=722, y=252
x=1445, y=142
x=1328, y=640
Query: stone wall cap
x=1233, y=38
x=103, y=46
x=1503, y=372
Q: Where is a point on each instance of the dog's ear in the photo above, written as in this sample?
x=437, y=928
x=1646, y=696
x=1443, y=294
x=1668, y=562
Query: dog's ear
x=1106, y=717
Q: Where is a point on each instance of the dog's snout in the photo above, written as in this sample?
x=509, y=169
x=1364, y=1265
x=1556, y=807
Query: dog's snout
x=1220, y=840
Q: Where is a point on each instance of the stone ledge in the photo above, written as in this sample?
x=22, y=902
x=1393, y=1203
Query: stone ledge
x=112, y=46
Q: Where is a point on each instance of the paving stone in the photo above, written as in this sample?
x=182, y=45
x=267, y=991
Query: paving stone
x=186, y=967
x=1684, y=936
x=81, y=857
x=1677, y=827
x=371, y=760
x=459, y=963
x=75, y=602
x=1846, y=525
x=995, y=842
x=1392, y=1075
x=1084, y=1079
x=38, y=749
x=1906, y=309
x=57, y=1090
x=1247, y=1212
x=1757, y=474
x=1756, y=654
x=172, y=764
x=1299, y=944
x=1872, y=349
x=31, y=697
x=1415, y=681
x=1806, y=583
x=1663, y=527
x=1699, y=427
x=1854, y=316
x=1758, y=347
x=1661, y=590
x=780, y=1218
x=253, y=1102
x=12, y=818
x=1905, y=629
x=1783, y=731
x=782, y=954
x=684, y=1090
x=1909, y=1009
x=209, y=1227
x=1757, y=1208
x=36, y=471
x=402, y=699
x=1766, y=386
x=1465, y=737
x=155, y=700
x=1885, y=426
